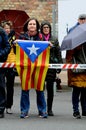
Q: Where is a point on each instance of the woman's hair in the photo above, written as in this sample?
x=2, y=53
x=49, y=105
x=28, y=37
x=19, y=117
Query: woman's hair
x=25, y=29
x=6, y=22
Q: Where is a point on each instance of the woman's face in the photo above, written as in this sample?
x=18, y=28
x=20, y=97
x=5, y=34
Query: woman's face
x=46, y=29
x=7, y=28
x=32, y=26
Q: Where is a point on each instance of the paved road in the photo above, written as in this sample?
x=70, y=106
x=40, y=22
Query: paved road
x=63, y=119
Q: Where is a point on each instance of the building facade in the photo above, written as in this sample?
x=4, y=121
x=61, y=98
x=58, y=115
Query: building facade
x=41, y=9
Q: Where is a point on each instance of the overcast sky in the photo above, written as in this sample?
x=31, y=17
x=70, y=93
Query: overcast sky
x=68, y=12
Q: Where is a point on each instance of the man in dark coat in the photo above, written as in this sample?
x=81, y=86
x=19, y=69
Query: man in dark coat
x=4, y=51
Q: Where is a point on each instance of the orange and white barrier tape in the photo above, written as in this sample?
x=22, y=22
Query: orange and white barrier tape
x=53, y=66
x=67, y=66
x=7, y=65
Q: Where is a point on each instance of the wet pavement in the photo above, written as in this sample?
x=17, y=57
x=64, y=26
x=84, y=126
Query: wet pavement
x=62, y=119
x=62, y=108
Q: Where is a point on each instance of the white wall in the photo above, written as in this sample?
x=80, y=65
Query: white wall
x=68, y=12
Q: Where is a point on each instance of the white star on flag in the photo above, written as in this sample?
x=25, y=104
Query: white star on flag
x=33, y=49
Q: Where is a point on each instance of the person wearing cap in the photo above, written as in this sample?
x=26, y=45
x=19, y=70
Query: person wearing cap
x=55, y=57
x=81, y=20
x=77, y=80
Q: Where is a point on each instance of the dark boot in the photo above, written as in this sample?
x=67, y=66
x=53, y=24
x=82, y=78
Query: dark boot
x=50, y=113
x=49, y=108
x=83, y=113
x=77, y=115
x=50, y=96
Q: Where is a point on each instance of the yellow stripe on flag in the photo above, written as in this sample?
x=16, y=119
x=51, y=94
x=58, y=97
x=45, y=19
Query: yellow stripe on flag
x=32, y=75
x=45, y=71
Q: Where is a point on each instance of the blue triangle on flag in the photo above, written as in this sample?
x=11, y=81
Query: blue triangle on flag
x=33, y=48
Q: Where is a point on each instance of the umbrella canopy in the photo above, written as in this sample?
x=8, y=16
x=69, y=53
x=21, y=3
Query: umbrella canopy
x=18, y=18
x=74, y=38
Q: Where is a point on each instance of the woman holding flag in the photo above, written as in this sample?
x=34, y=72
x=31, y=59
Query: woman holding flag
x=31, y=33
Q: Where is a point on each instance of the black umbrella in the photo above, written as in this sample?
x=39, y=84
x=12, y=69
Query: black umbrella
x=74, y=38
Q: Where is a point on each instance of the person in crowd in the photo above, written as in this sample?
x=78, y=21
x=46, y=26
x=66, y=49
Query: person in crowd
x=55, y=57
x=4, y=51
x=81, y=20
x=10, y=72
x=77, y=80
x=31, y=32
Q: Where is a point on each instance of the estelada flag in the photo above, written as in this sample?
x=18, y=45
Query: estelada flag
x=32, y=61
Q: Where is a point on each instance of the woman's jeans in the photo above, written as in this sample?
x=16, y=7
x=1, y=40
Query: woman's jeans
x=25, y=102
x=79, y=94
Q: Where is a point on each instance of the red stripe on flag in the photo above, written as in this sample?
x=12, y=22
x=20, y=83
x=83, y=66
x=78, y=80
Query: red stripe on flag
x=28, y=74
x=41, y=69
x=21, y=63
x=33, y=74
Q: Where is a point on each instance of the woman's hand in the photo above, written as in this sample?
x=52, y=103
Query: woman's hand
x=51, y=45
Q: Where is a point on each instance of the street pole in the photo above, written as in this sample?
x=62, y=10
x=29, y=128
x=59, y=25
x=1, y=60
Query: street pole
x=54, y=20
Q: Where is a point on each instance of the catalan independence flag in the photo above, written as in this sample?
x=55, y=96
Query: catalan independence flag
x=32, y=59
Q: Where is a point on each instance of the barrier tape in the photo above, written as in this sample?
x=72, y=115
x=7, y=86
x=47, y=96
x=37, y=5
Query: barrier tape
x=7, y=65
x=53, y=66
x=67, y=66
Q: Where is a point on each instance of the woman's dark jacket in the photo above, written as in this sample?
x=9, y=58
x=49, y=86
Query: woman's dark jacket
x=55, y=58
x=25, y=36
x=4, y=46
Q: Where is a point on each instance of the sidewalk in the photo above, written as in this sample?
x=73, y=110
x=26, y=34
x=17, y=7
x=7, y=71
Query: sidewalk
x=63, y=76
